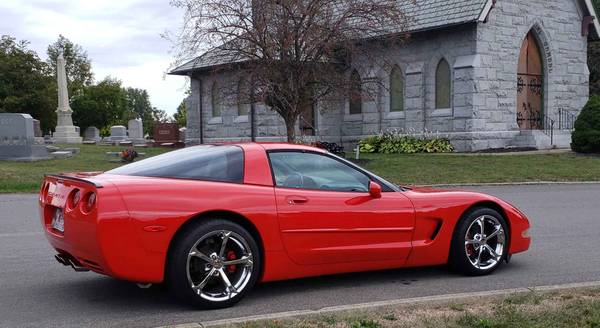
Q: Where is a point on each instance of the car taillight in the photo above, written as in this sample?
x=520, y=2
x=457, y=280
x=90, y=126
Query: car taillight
x=90, y=202
x=44, y=191
x=75, y=198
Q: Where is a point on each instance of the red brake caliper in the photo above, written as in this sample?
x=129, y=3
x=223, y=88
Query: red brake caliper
x=230, y=257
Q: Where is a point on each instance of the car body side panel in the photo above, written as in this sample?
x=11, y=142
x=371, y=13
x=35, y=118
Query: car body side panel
x=447, y=207
x=256, y=165
x=158, y=207
x=340, y=227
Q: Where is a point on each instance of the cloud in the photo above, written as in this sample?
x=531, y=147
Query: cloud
x=121, y=37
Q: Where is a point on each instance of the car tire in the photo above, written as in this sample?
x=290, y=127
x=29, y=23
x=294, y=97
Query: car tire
x=475, y=252
x=198, y=272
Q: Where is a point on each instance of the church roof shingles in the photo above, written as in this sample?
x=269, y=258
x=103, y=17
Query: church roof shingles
x=423, y=15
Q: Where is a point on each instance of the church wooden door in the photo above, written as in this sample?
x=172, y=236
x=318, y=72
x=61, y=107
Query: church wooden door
x=530, y=81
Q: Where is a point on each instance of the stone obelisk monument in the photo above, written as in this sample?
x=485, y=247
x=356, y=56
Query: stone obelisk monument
x=65, y=132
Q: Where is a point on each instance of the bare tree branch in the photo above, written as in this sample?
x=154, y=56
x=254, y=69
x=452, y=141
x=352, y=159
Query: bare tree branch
x=297, y=52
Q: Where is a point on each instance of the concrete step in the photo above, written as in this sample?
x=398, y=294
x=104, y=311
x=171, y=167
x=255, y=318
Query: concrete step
x=539, y=140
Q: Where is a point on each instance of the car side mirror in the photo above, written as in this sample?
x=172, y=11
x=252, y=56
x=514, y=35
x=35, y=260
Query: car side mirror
x=374, y=189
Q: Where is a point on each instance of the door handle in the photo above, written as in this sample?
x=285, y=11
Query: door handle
x=296, y=200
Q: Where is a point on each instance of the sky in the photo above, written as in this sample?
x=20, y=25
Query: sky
x=122, y=38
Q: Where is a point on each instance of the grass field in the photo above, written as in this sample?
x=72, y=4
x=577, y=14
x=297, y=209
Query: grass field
x=575, y=308
x=27, y=176
x=461, y=168
x=420, y=169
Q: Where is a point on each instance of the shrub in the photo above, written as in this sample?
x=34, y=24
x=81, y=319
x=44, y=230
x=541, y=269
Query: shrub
x=586, y=137
x=370, y=144
x=394, y=143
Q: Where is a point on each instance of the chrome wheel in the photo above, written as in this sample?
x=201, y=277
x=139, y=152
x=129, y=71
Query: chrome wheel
x=484, y=242
x=219, y=265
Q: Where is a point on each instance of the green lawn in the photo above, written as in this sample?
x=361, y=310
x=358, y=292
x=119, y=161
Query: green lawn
x=460, y=168
x=574, y=308
x=27, y=176
x=421, y=169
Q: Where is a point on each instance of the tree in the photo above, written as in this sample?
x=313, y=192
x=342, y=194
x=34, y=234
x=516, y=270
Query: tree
x=296, y=51
x=160, y=115
x=79, y=67
x=181, y=115
x=138, y=104
x=586, y=136
x=101, y=105
x=26, y=84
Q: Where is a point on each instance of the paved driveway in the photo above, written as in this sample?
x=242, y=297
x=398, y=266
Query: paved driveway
x=38, y=292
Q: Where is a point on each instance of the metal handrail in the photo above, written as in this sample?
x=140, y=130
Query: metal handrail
x=548, y=127
x=566, y=120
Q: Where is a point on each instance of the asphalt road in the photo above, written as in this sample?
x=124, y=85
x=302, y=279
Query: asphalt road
x=35, y=291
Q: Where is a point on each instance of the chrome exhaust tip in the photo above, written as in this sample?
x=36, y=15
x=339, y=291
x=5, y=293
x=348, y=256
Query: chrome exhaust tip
x=68, y=261
x=77, y=267
x=61, y=259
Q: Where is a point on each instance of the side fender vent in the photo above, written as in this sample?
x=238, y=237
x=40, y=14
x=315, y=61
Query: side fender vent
x=436, y=231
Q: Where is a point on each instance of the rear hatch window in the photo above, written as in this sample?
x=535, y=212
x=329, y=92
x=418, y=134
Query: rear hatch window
x=212, y=163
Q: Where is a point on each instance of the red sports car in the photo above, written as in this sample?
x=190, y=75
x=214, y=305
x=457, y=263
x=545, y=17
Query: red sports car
x=213, y=220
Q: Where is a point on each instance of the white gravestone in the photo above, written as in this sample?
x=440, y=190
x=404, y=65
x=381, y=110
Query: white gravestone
x=117, y=133
x=17, y=138
x=65, y=132
x=182, y=132
x=136, y=130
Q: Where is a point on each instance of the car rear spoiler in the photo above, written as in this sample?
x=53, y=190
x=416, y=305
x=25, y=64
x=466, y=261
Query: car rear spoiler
x=69, y=177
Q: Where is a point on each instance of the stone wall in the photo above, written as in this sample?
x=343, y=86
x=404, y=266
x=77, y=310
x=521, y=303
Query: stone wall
x=229, y=126
x=483, y=58
x=418, y=58
x=557, y=26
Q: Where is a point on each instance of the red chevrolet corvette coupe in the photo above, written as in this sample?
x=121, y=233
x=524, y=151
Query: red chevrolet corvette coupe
x=211, y=221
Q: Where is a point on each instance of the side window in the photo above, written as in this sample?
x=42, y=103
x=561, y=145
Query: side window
x=314, y=171
x=215, y=100
x=443, y=85
x=211, y=163
x=355, y=97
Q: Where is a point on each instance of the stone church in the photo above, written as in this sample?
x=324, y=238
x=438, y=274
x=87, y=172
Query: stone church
x=486, y=74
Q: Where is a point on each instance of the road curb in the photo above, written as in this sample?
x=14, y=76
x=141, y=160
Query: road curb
x=406, y=301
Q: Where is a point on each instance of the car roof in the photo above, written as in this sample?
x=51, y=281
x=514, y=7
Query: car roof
x=284, y=146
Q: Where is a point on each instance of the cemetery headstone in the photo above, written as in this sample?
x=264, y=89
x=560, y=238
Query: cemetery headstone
x=117, y=133
x=17, y=138
x=37, y=132
x=166, y=133
x=91, y=134
x=182, y=133
x=136, y=130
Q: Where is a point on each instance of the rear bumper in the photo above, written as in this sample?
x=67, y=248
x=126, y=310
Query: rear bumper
x=79, y=244
x=105, y=241
x=107, y=246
